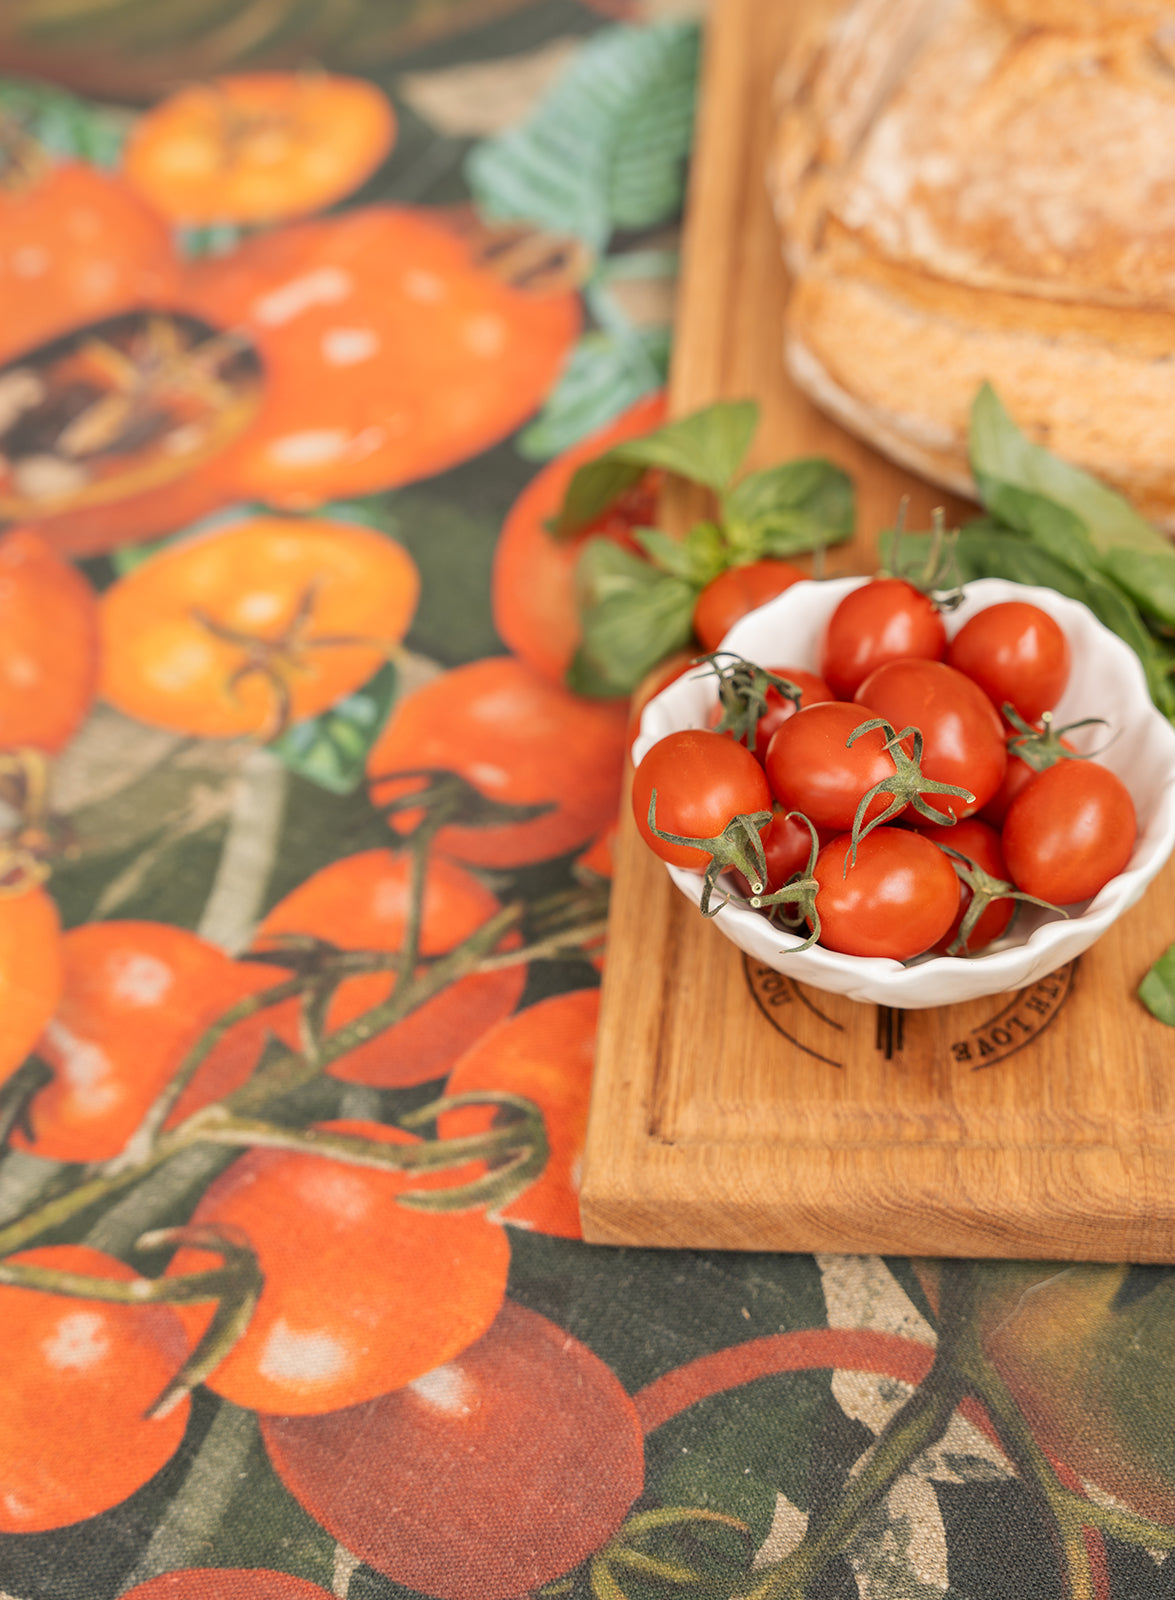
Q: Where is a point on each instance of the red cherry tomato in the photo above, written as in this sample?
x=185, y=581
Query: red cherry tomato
x=78, y=1377
x=544, y=1053
x=1016, y=775
x=362, y=902
x=885, y=620
x=703, y=780
x=813, y=691
x=515, y=738
x=963, y=737
x=736, y=591
x=483, y=1480
x=361, y=1295
x=1016, y=653
x=1069, y=831
x=980, y=843
x=534, y=603
x=812, y=768
x=897, y=900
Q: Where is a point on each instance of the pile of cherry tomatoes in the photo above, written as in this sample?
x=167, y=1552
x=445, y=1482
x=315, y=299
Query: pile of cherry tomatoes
x=907, y=796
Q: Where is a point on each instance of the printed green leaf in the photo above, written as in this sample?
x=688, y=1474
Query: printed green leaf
x=607, y=373
x=705, y=447
x=1157, y=989
x=633, y=616
x=67, y=127
x=606, y=148
x=331, y=749
x=785, y=509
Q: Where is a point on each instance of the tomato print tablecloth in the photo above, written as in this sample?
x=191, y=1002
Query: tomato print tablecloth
x=306, y=314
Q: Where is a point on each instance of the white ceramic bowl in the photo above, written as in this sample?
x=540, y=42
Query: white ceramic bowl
x=1106, y=681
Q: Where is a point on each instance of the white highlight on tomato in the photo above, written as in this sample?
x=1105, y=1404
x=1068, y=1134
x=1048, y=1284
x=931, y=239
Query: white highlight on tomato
x=426, y=287
x=84, y=1066
x=325, y=286
x=312, y=448
x=347, y=347
x=79, y=1341
x=140, y=980
x=486, y=335
x=295, y=1355
x=447, y=1390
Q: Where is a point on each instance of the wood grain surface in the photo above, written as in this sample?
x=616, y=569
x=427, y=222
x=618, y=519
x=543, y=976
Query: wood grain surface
x=733, y=1108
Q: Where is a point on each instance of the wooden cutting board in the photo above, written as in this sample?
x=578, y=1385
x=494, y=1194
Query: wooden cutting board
x=734, y=1108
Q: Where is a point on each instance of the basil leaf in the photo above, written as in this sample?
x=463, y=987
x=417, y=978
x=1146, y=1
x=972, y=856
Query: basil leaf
x=632, y=615
x=606, y=373
x=697, y=558
x=795, y=506
x=704, y=448
x=1148, y=577
x=1002, y=455
x=1157, y=989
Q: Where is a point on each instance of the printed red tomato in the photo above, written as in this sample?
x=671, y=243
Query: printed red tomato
x=787, y=844
x=546, y=1054
x=534, y=603
x=886, y=619
x=76, y=244
x=483, y=1480
x=813, y=691
x=246, y=628
x=897, y=900
x=258, y=146
x=48, y=644
x=662, y=675
x=78, y=1377
x=361, y=1294
x=963, y=737
x=980, y=843
x=703, y=781
x=30, y=972
x=362, y=902
x=1069, y=831
x=812, y=768
x=136, y=996
x=516, y=739
x=736, y=591
x=392, y=350
x=225, y=1583
x=1017, y=654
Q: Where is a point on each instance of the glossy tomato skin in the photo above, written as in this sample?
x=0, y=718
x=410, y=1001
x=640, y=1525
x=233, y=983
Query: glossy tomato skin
x=813, y=691
x=515, y=738
x=1016, y=775
x=812, y=768
x=898, y=900
x=486, y=1479
x=886, y=619
x=703, y=780
x=48, y=644
x=545, y=1054
x=533, y=588
x=78, y=1377
x=980, y=843
x=1017, y=654
x=362, y=902
x=1069, y=831
x=361, y=1294
x=736, y=591
x=963, y=737
x=136, y=996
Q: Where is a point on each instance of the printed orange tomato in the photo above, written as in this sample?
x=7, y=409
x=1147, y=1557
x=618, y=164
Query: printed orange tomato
x=514, y=738
x=78, y=1377
x=361, y=1295
x=247, y=628
x=534, y=603
x=225, y=1583
x=392, y=350
x=362, y=902
x=736, y=591
x=135, y=997
x=30, y=972
x=259, y=146
x=545, y=1053
x=486, y=1478
x=76, y=244
x=48, y=644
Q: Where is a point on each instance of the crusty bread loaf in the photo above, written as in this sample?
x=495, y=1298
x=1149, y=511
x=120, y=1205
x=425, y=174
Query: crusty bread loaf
x=985, y=189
